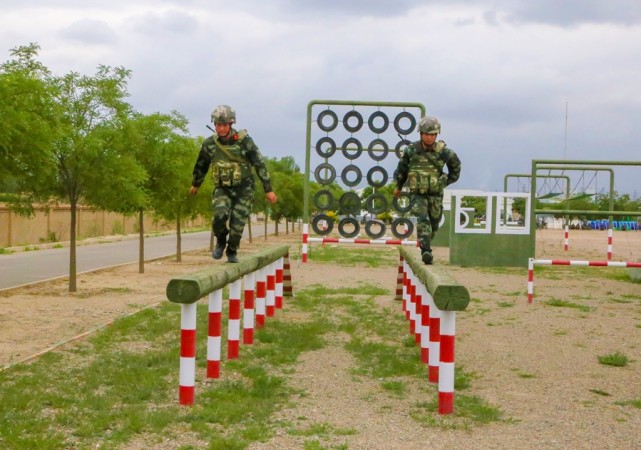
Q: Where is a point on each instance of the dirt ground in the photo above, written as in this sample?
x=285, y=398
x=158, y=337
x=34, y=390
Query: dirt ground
x=537, y=363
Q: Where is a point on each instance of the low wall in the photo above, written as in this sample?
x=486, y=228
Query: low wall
x=53, y=226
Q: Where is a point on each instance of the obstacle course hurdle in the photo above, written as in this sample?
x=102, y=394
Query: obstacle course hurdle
x=268, y=270
x=562, y=262
x=431, y=298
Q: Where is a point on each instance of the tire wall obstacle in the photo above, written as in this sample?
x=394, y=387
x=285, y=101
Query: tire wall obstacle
x=356, y=144
x=495, y=242
x=265, y=278
x=430, y=299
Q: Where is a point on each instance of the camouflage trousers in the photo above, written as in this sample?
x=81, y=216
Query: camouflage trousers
x=428, y=210
x=233, y=205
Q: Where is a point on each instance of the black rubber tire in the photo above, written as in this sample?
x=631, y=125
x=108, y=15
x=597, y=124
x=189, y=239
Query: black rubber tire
x=321, y=116
x=318, y=218
x=332, y=173
x=346, y=221
x=352, y=168
x=402, y=221
x=359, y=121
x=373, y=154
x=370, y=233
x=375, y=115
x=350, y=203
x=357, y=152
x=328, y=204
x=369, y=203
x=397, y=122
x=370, y=177
x=332, y=147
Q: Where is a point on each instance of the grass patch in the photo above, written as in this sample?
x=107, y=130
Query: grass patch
x=5, y=251
x=636, y=403
x=502, y=304
x=565, y=304
x=616, y=359
x=370, y=257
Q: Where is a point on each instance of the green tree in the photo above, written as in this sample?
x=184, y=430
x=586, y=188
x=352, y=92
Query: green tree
x=287, y=182
x=27, y=129
x=163, y=147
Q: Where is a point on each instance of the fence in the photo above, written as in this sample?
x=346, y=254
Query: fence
x=431, y=298
x=267, y=279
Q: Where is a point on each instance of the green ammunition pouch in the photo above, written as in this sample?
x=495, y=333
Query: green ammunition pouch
x=230, y=167
x=426, y=169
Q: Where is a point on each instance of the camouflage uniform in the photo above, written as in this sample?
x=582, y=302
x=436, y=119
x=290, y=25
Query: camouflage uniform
x=422, y=169
x=233, y=196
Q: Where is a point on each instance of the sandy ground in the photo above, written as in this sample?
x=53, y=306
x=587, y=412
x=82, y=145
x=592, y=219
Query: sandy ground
x=538, y=364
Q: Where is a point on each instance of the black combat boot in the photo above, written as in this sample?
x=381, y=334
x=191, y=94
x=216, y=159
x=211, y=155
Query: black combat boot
x=426, y=255
x=221, y=241
x=231, y=255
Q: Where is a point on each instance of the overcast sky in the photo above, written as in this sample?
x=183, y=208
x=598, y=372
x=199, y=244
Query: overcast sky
x=499, y=74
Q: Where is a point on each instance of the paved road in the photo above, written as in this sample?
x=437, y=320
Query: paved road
x=21, y=268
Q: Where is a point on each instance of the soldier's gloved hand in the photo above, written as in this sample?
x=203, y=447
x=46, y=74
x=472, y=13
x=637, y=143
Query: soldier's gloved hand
x=443, y=180
x=397, y=193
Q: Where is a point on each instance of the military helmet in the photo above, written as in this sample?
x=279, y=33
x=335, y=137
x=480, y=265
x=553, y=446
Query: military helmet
x=429, y=125
x=223, y=114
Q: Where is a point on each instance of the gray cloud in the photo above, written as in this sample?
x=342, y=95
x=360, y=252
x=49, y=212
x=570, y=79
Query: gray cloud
x=89, y=31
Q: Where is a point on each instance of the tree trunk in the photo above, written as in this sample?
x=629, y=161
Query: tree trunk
x=178, y=241
x=72, y=247
x=141, y=241
x=249, y=229
x=265, y=225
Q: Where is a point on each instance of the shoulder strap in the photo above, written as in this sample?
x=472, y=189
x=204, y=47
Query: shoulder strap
x=226, y=152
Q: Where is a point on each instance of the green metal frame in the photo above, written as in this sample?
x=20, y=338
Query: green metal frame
x=527, y=175
x=543, y=164
x=310, y=105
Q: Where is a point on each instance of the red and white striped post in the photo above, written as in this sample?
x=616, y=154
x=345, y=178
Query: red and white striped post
x=279, y=283
x=434, y=343
x=305, y=238
x=567, y=237
x=446, y=366
x=270, y=298
x=214, y=333
x=530, y=280
x=425, y=323
x=288, y=290
x=261, y=293
x=248, y=308
x=233, y=324
x=399, y=279
x=187, y=354
x=610, y=243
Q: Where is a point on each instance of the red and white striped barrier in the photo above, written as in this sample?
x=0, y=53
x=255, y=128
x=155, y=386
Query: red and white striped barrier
x=563, y=262
x=265, y=285
x=610, y=244
x=434, y=330
x=331, y=240
x=567, y=238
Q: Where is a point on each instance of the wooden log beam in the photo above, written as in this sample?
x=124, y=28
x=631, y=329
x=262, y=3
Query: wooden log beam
x=447, y=293
x=192, y=287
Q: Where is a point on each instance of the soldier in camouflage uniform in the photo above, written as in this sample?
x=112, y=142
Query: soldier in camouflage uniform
x=231, y=155
x=421, y=167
